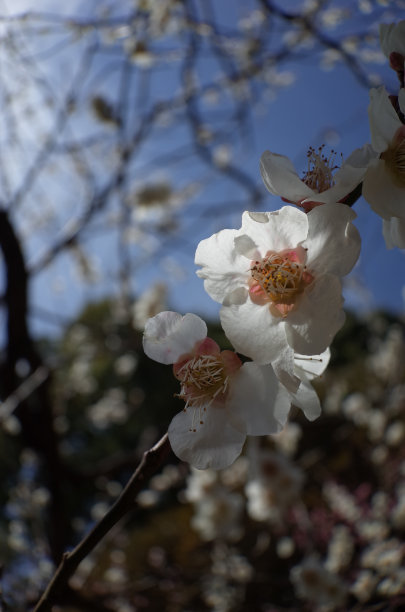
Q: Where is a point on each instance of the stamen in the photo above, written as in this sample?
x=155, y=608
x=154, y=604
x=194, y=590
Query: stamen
x=279, y=277
x=203, y=380
x=319, y=175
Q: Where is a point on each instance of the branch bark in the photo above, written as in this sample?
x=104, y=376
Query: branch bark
x=151, y=461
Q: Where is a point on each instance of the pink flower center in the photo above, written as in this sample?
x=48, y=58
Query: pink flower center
x=394, y=157
x=279, y=278
x=204, y=377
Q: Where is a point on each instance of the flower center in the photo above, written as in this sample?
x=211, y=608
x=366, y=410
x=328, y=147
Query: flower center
x=279, y=277
x=319, y=175
x=394, y=158
x=203, y=379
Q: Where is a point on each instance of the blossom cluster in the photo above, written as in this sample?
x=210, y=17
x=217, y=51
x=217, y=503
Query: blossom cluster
x=279, y=282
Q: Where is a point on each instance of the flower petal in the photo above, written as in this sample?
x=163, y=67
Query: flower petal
x=307, y=399
x=254, y=403
x=333, y=242
x=280, y=177
x=223, y=269
x=237, y=296
x=392, y=38
x=311, y=366
x=254, y=332
x=214, y=444
x=169, y=335
x=245, y=246
x=285, y=229
x=401, y=99
x=384, y=197
x=384, y=121
x=311, y=327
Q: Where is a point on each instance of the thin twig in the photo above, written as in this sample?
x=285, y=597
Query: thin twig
x=151, y=461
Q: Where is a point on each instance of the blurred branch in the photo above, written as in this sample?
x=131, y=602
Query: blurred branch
x=151, y=461
x=21, y=393
x=61, y=119
x=29, y=399
x=309, y=24
x=192, y=96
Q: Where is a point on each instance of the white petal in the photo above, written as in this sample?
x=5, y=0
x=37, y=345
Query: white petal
x=384, y=121
x=285, y=229
x=311, y=327
x=215, y=444
x=283, y=370
x=384, y=197
x=394, y=232
x=401, y=99
x=307, y=368
x=359, y=158
x=307, y=399
x=352, y=171
x=254, y=403
x=254, y=332
x=237, y=296
x=280, y=177
x=169, y=335
x=311, y=366
x=246, y=246
x=392, y=38
x=223, y=269
x=333, y=242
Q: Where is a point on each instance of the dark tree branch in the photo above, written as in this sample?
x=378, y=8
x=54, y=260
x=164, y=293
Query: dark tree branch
x=34, y=411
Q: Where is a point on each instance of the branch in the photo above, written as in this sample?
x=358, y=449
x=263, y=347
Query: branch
x=151, y=461
x=308, y=23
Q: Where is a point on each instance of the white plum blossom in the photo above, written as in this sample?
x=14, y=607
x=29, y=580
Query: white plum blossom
x=278, y=279
x=319, y=185
x=384, y=181
x=225, y=400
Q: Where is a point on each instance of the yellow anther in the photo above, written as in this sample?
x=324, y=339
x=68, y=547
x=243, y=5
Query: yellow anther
x=279, y=277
